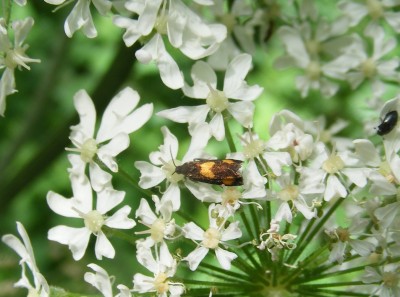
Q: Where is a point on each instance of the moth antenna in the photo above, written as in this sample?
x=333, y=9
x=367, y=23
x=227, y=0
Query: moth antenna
x=172, y=159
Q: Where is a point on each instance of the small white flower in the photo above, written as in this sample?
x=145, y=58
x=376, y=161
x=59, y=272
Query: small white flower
x=119, y=120
x=160, y=225
x=80, y=16
x=163, y=163
x=336, y=171
x=293, y=198
x=103, y=282
x=287, y=134
x=212, y=238
x=387, y=276
x=24, y=250
x=81, y=206
x=348, y=237
x=304, y=50
x=12, y=56
x=163, y=267
x=241, y=35
x=185, y=30
x=217, y=102
x=374, y=67
x=375, y=10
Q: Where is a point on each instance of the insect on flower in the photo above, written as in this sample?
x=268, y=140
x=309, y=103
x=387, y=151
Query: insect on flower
x=217, y=172
x=388, y=123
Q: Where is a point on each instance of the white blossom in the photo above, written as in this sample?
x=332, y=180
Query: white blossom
x=12, y=56
x=80, y=16
x=120, y=118
x=80, y=206
x=218, y=102
x=212, y=238
x=103, y=282
x=163, y=266
x=24, y=250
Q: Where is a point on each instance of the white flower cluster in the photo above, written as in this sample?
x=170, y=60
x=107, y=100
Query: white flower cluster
x=264, y=220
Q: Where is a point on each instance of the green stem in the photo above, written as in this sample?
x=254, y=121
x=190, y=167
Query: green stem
x=119, y=234
x=304, y=264
x=7, y=5
x=300, y=249
x=222, y=271
x=338, y=284
x=349, y=270
x=228, y=136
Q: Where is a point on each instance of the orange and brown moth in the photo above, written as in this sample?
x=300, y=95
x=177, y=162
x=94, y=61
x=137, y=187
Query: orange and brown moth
x=217, y=172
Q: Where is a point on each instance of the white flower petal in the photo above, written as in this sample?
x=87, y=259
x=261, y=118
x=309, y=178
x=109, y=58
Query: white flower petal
x=195, y=257
x=150, y=174
x=367, y=152
x=77, y=239
x=192, y=231
x=186, y=114
x=120, y=115
x=204, y=192
x=100, y=280
x=107, y=152
x=143, y=283
x=167, y=151
x=334, y=188
x=202, y=76
x=235, y=86
x=98, y=177
x=232, y=232
x=87, y=113
x=103, y=247
x=225, y=258
x=120, y=220
x=80, y=17
x=61, y=205
x=169, y=70
x=145, y=213
x=108, y=199
x=243, y=112
x=172, y=194
x=217, y=127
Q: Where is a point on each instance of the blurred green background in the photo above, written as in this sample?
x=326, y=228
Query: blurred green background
x=35, y=130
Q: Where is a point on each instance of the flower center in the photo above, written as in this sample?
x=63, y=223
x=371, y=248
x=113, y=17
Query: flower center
x=169, y=170
x=88, y=150
x=289, y=193
x=368, y=67
x=217, y=100
x=253, y=149
x=211, y=238
x=333, y=164
x=230, y=196
x=94, y=220
x=160, y=283
x=343, y=234
x=313, y=70
x=375, y=9
x=390, y=279
x=313, y=47
x=9, y=60
x=385, y=170
x=157, y=230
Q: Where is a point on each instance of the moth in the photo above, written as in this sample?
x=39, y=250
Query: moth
x=225, y=172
